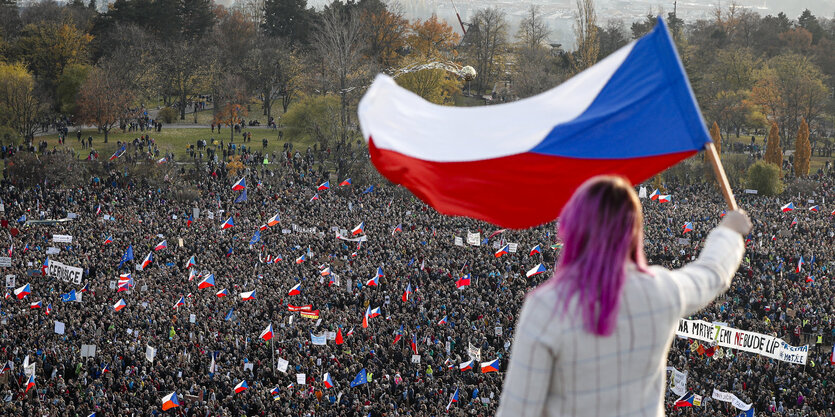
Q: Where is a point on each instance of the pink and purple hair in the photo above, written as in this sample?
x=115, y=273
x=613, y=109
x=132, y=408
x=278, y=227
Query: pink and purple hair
x=601, y=228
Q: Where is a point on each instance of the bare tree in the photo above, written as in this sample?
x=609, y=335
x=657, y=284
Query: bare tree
x=488, y=40
x=273, y=71
x=585, y=30
x=340, y=44
x=533, y=30
x=104, y=100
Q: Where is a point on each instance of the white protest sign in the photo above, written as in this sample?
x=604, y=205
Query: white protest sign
x=88, y=351
x=59, y=327
x=150, y=353
x=5, y=261
x=248, y=366
x=62, y=238
x=511, y=247
x=474, y=239
x=211, y=215
x=459, y=241
x=300, y=379
x=65, y=273
x=10, y=279
x=282, y=365
x=678, y=382
x=642, y=193
x=498, y=330
x=415, y=358
x=52, y=250
x=192, y=318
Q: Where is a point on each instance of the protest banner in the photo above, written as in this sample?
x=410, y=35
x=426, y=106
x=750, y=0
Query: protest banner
x=474, y=239
x=678, y=382
x=282, y=365
x=761, y=344
x=65, y=273
x=730, y=398
x=62, y=238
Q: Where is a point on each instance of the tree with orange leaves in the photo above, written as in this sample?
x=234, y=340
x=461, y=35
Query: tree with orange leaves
x=386, y=36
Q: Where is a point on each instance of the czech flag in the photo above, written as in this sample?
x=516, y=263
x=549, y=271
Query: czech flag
x=535, y=270
x=119, y=305
x=49, y=308
x=413, y=344
x=207, y=282
x=481, y=162
x=723, y=213
x=794, y=222
x=45, y=266
x=35, y=305
x=98, y=209
x=490, y=366
x=535, y=249
x=655, y=194
x=814, y=208
x=227, y=224
x=240, y=185
x=688, y=400
x=22, y=292
x=267, y=334
x=241, y=387
x=327, y=380
x=453, y=399
x=466, y=366
x=147, y=261
x=296, y=290
x=442, y=321
x=398, y=228
x=324, y=186
x=301, y=259
x=665, y=198
x=118, y=153
x=190, y=220
x=161, y=245
x=799, y=264
x=688, y=227
x=192, y=274
x=315, y=197
x=374, y=312
x=170, y=401
x=463, y=282
x=107, y=240
x=365, y=317
x=31, y=383
x=180, y=302
x=380, y=272
x=86, y=287
x=359, y=229
x=249, y=295
x=222, y=293
x=325, y=272
x=105, y=369
x=347, y=181
x=787, y=207
x=191, y=262
x=274, y=220
x=407, y=292
x=373, y=282
x=503, y=251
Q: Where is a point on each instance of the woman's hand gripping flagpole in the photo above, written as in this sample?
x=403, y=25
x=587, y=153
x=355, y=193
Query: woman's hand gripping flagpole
x=719, y=171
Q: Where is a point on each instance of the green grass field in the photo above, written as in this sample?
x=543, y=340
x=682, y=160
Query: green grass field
x=171, y=139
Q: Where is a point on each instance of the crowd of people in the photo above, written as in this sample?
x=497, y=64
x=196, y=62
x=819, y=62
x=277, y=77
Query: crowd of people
x=337, y=243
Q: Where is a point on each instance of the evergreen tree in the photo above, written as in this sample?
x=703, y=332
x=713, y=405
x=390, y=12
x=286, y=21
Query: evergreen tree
x=289, y=19
x=773, y=153
x=716, y=136
x=802, y=150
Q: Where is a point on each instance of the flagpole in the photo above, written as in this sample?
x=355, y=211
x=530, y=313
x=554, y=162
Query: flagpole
x=719, y=172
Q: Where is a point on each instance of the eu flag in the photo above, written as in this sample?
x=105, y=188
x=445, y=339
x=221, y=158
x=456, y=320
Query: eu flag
x=128, y=256
x=70, y=296
x=361, y=378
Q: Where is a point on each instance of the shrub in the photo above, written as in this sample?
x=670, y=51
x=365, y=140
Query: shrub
x=765, y=178
x=168, y=115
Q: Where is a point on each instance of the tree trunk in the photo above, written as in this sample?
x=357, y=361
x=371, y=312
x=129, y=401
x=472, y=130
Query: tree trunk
x=183, y=106
x=106, y=130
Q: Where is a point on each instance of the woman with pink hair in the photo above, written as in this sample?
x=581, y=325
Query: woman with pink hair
x=593, y=339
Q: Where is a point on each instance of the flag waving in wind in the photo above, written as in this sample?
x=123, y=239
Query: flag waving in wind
x=480, y=162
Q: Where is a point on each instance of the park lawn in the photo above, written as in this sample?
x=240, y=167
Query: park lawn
x=206, y=117
x=174, y=140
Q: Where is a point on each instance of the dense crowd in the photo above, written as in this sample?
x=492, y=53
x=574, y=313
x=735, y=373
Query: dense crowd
x=112, y=214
